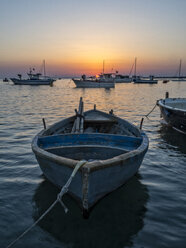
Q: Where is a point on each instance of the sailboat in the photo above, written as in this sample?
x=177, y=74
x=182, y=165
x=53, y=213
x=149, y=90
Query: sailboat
x=179, y=74
x=34, y=78
x=140, y=80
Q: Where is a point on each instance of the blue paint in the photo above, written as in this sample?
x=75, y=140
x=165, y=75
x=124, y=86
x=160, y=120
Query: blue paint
x=116, y=141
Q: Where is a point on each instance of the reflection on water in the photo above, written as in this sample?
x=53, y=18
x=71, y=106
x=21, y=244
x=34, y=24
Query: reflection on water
x=112, y=223
x=117, y=218
x=173, y=139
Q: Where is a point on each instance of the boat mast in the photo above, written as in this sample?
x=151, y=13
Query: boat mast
x=103, y=66
x=44, y=68
x=135, y=67
x=179, y=69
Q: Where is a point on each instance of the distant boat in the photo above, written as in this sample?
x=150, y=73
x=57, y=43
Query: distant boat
x=119, y=78
x=165, y=81
x=34, y=78
x=113, y=148
x=5, y=80
x=173, y=111
x=122, y=78
x=180, y=78
x=103, y=81
x=140, y=80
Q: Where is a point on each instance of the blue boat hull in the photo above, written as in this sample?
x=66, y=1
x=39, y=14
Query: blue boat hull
x=112, y=160
x=173, y=116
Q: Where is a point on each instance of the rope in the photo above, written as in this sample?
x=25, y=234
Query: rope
x=151, y=110
x=142, y=119
x=61, y=193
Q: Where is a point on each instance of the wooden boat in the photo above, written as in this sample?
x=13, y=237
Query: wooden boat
x=173, y=111
x=113, y=148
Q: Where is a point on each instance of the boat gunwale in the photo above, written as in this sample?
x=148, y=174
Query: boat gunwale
x=162, y=103
x=93, y=165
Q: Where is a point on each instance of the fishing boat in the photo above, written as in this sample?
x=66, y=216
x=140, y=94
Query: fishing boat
x=112, y=147
x=173, y=111
x=103, y=81
x=34, y=78
x=122, y=78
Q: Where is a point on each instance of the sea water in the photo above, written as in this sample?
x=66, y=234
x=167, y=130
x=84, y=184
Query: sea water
x=148, y=211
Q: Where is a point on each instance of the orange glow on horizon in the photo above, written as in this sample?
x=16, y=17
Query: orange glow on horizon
x=91, y=66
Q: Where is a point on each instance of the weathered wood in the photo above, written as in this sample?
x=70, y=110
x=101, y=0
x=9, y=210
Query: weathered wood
x=44, y=124
x=78, y=123
x=82, y=120
x=113, y=157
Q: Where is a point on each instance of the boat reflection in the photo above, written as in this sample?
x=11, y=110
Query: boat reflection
x=112, y=222
x=174, y=139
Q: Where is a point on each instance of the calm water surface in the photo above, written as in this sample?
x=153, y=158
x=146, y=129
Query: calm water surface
x=149, y=211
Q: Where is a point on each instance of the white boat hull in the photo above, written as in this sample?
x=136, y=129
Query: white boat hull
x=93, y=84
x=32, y=82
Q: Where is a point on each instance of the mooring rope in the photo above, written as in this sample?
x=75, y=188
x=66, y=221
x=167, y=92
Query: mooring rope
x=142, y=119
x=151, y=110
x=61, y=193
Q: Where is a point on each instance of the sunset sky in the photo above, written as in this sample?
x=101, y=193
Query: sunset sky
x=75, y=36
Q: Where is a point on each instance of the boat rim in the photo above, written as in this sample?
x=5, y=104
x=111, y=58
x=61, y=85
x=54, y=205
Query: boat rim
x=162, y=103
x=93, y=165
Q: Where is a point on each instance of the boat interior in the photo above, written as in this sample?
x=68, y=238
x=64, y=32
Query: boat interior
x=90, y=135
x=89, y=146
x=177, y=103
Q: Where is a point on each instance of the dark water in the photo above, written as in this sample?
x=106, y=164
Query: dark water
x=149, y=211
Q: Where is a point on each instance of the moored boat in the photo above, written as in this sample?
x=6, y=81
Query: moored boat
x=122, y=79
x=173, y=111
x=165, y=81
x=34, y=78
x=102, y=81
x=5, y=80
x=150, y=80
x=141, y=80
x=112, y=147
x=179, y=77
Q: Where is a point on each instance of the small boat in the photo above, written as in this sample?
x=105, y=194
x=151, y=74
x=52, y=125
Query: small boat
x=122, y=78
x=103, y=81
x=173, y=111
x=113, y=148
x=140, y=80
x=150, y=80
x=34, y=78
x=165, y=81
x=179, y=77
x=5, y=80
